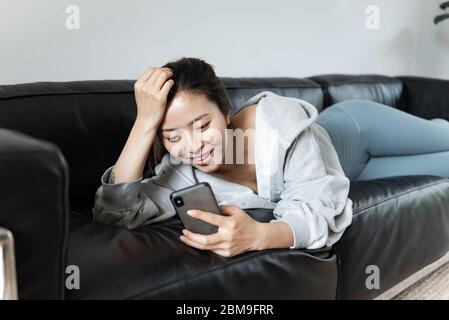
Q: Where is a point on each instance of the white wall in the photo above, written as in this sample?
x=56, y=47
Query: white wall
x=119, y=39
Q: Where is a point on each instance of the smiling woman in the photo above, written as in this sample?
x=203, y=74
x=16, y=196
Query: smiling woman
x=185, y=130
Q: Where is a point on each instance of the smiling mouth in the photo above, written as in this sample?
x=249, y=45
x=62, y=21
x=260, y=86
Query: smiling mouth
x=205, y=157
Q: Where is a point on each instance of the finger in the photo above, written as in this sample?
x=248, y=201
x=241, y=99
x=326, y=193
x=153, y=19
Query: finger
x=148, y=72
x=211, y=218
x=223, y=252
x=227, y=209
x=159, y=73
x=212, y=239
x=167, y=86
x=162, y=79
x=193, y=243
x=149, y=83
x=167, y=68
x=156, y=81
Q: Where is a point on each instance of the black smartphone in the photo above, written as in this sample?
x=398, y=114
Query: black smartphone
x=198, y=196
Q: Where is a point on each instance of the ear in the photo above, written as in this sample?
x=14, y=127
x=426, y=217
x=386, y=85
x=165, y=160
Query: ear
x=228, y=118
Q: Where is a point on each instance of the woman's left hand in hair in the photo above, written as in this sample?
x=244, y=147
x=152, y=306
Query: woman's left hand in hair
x=237, y=232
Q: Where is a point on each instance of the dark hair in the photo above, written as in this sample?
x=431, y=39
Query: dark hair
x=195, y=76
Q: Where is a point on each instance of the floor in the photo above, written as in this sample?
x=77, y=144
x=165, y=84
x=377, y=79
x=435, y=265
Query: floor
x=430, y=283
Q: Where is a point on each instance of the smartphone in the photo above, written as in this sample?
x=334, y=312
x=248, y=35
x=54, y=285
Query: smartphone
x=198, y=196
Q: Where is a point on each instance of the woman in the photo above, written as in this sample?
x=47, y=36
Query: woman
x=294, y=161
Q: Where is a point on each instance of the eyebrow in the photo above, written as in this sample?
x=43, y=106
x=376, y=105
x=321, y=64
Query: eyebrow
x=197, y=118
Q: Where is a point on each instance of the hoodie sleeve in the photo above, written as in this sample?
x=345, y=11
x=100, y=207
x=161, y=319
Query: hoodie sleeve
x=314, y=201
x=132, y=203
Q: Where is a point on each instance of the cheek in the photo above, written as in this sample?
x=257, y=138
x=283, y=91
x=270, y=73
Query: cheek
x=172, y=148
x=214, y=135
x=176, y=149
x=166, y=145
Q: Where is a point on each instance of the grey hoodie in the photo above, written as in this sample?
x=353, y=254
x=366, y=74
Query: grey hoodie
x=298, y=173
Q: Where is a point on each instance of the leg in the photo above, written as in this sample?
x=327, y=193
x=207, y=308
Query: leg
x=436, y=164
x=388, y=134
x=345, y=136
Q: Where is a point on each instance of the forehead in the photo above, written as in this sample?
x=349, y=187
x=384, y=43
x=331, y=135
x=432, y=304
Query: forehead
x=185, y=107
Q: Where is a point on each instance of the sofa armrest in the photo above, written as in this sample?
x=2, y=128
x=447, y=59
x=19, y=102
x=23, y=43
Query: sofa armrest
x=425, y=97
x=400, y=225
x=34, y=207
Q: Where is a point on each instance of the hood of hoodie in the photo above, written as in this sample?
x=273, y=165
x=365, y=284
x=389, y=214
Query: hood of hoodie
x=288, y=116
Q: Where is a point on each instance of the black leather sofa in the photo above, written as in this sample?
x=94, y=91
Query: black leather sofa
x=57, y=138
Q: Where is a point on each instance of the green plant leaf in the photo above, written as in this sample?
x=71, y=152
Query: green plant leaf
x=441, y=17
x=444, y=5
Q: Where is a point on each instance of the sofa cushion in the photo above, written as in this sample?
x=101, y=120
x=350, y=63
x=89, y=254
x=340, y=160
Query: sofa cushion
x=400, y=225
x=241, y=89
x=152, y=263
x=341, y=87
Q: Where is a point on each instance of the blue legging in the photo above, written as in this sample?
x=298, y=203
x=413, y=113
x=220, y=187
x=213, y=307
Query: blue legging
x=374, y=140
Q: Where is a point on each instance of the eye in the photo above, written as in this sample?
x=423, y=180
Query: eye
x=205, y=126
x=174, y=139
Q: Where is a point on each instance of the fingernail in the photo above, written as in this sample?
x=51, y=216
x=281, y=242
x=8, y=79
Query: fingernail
x=190, y=212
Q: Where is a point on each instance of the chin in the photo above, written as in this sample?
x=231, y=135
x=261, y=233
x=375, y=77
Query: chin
x=209, y=168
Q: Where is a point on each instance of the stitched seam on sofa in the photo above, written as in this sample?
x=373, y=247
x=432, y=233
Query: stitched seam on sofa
x=26, y=153
x=65, y=221
x=356, y=212
x=345, y=83
x=262, y=88
x=300, y=86
x=371, y=82
x=199, y=273
x=422, y=79
x=131, y=92
x=62, y=94
x=339, y=274
x=398, y=195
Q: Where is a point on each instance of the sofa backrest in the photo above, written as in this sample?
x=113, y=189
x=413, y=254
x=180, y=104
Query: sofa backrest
x=88, y=120
x=341, y=87
x=241, y=89
x=91, y=120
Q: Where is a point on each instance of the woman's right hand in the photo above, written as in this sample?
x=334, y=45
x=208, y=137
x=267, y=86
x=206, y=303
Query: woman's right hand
x=151, y=91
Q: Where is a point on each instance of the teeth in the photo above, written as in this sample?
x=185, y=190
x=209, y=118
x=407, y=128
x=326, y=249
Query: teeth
x=205, y=157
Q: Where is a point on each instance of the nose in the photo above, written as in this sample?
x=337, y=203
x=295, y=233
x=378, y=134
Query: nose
x=195, y=146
